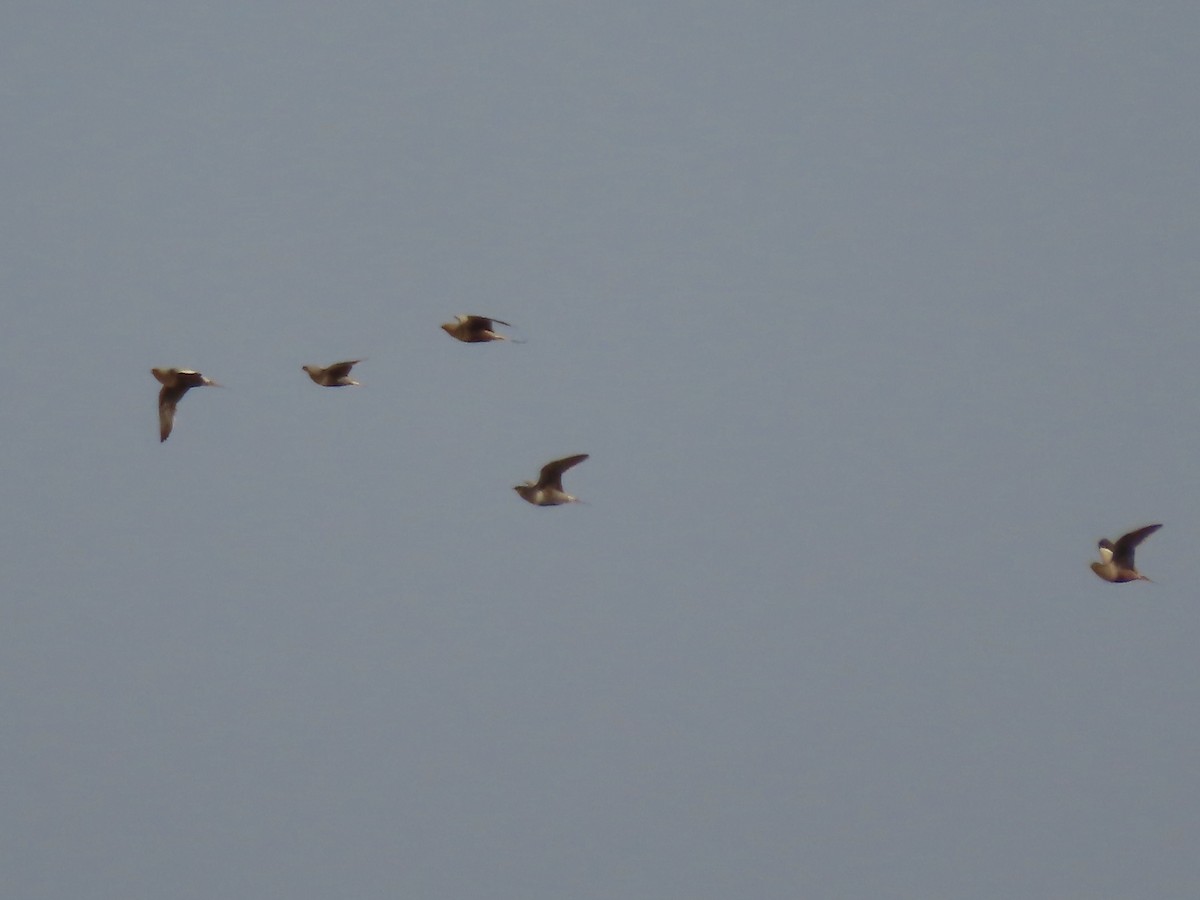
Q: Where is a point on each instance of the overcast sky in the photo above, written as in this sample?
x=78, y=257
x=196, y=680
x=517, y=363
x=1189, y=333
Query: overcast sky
x=873, y=317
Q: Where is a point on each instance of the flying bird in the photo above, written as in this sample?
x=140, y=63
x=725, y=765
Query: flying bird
x=175, y=383
x=474, y=329
x=337, y=375
x=548, y=489
x=1116, y=560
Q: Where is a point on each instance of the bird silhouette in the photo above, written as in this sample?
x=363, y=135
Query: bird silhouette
x=336, y=375
x=1116, y=560
x=474, y=329
x=548, y=489
x=175, y=383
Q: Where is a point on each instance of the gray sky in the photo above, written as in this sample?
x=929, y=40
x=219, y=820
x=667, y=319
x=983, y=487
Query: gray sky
x=874, y=318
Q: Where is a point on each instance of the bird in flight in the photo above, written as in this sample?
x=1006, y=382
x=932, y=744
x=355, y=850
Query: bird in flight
x=337, y=375
x=175, y=383
x=1116, y=560
x=548, y=489
x=474, y=329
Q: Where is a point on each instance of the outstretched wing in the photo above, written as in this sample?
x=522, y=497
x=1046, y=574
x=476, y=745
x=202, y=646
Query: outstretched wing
x=167, y=398
x=483, y=323
x=552, y=472
x=1126, y=544
x=342, y=369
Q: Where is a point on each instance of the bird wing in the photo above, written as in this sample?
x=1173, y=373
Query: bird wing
x=342, y=369
x=167, y=398
x=189, y=379
x=483, y=323
x=1126, y=544
x=552, y=472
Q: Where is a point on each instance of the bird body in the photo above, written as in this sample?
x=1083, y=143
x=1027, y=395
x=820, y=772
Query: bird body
x=548, y=489
x=336, y=375
x=175, y=383
x=474, y=329
x=1116, y=560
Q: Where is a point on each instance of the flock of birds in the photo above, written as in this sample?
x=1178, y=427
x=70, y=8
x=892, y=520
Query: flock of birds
x=1116, y=559
x=546, y=491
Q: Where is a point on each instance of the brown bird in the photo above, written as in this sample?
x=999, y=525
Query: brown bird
x=474, y=329
x=337, y=375
x=1116, y=560
x=548, y=490
x=175, y=383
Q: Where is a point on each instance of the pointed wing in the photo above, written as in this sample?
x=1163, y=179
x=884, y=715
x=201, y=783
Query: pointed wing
x=342, y=369
x=1123, y=550
x=483, y=323
x=189, y=379
x=167, y=398
x=552, y=472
